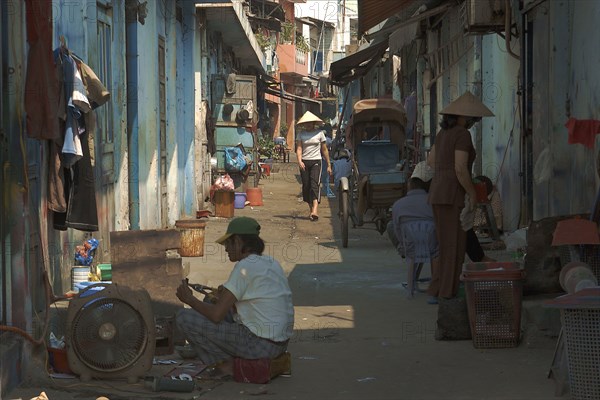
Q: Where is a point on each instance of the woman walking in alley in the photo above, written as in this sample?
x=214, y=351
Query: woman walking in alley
x=452, y=189
x=311, y=149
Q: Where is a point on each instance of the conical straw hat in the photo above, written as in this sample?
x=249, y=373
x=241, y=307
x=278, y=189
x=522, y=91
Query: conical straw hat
x=467, y=105
x=309, y=117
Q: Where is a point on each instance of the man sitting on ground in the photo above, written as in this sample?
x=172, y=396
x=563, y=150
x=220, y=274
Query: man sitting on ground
x=259, y=293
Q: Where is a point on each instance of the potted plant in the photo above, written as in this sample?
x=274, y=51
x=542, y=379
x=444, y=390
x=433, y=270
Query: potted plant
x=266, y=147
x=263, y=40
x=301, y=43
x=287, y=32
x=283, y=129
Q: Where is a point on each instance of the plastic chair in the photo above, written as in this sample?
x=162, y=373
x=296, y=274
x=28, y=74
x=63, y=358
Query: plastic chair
x=417, y=237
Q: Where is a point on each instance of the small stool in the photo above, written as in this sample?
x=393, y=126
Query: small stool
x=490, y=226
x=265, y=169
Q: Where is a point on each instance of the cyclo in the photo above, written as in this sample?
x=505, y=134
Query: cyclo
x=375, y=134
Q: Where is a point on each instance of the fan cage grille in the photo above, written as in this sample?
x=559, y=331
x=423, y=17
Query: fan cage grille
x=118, y=352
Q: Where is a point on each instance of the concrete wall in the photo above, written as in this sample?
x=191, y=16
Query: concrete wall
x=500, y=136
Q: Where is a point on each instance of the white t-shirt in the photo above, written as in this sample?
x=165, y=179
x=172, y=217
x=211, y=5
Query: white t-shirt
x=311, y=144
x=264, y=299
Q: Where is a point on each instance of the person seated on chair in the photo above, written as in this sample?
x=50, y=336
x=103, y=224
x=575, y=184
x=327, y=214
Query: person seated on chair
x=495, y=201
x=341, y=167
x=414, y=207
x=257, y=292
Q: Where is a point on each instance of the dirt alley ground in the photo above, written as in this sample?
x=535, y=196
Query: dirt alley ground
x=357, y=336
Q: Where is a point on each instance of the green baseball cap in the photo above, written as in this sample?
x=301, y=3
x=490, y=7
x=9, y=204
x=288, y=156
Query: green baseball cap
x=240, y=226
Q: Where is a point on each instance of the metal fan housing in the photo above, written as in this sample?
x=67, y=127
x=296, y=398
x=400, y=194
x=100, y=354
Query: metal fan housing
x=110, y=333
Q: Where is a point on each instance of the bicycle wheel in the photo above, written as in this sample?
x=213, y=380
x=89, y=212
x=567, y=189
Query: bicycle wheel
x=343, y=195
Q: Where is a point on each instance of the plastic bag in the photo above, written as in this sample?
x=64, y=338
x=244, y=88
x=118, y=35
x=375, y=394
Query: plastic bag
x=234, y=159
x=84, y=254
x=516, y=240
x=223, y=182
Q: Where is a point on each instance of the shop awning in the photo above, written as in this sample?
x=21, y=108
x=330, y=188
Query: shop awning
x=231, y=22
x=402, y=29
x=355, y=65
x=373, y=12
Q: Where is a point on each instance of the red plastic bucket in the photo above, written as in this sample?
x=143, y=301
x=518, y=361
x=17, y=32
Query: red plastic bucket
x=58, y=360
x=254, y=196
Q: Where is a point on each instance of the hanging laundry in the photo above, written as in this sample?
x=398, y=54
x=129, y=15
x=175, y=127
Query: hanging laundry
x=76, y=105
x=583, y=131
x=97, y=94
x=71, y=183
x=41, y=83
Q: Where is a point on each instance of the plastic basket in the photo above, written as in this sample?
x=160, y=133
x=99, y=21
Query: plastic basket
x=494, y=294
x=591, y=256
x=580, y=314
x=582, y=335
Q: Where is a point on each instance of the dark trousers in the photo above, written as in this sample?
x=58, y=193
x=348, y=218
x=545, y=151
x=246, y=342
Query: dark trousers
x=311, y=181
x=474, y=250
x=452, y=241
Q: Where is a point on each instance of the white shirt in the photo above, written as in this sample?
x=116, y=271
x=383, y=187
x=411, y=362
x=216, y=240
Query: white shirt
x=264, y=299
x=311, y=144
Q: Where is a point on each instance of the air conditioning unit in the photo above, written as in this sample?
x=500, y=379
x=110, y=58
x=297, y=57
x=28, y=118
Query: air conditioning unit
x=484, y=16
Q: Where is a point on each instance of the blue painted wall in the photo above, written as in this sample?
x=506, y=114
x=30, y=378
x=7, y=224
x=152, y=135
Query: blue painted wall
x=28, y=242
x=185, y=109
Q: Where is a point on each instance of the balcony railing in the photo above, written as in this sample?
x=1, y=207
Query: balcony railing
x=291, y=60
x=300, y=57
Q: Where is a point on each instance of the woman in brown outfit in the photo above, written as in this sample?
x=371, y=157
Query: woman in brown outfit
x=452, y=158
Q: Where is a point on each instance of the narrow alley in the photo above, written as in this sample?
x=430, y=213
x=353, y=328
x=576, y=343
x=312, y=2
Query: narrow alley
x=356, y=335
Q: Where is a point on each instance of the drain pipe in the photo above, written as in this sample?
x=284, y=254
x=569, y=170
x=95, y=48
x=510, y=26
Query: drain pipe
x=131, y=45
x=423, y=126
x=507, y=28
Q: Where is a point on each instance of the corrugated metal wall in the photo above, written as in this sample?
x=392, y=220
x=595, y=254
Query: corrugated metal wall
x=500, y=136
x=566, y=55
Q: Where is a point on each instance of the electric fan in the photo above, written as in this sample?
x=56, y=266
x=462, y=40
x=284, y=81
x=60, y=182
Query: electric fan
x=110, y=333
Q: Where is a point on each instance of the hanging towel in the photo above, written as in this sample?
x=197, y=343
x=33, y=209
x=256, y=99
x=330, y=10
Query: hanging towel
x=41, y=83
x=583, y=131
